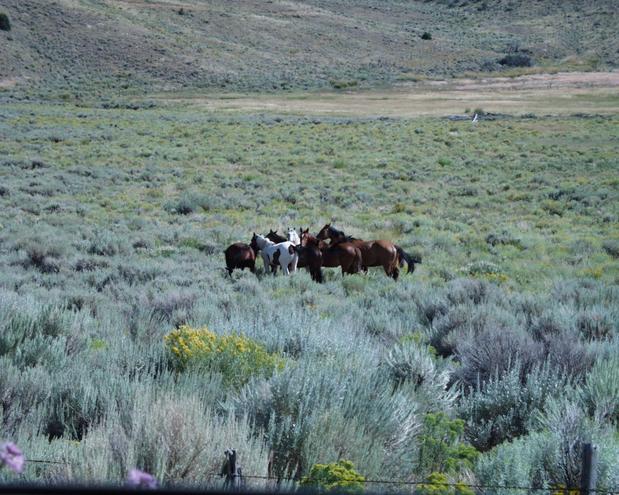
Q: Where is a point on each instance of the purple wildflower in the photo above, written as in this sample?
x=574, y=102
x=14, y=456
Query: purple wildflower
x=141, y=479
x=12, y=457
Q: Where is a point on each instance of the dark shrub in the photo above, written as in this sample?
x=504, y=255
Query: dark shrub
x=611, y=247
x=516, y=60
x=491, y=352
x=89, y=265
x=140, y=244
x=172, y=306
x=5, y=24
x=42, y=259
x=190, y=203
x=426, y=36
x=569, y=355
x=503, y=238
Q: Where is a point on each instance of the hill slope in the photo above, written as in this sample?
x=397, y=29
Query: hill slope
x=257, y=45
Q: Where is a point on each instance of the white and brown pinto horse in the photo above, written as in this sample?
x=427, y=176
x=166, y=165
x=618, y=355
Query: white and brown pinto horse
x=283, y=254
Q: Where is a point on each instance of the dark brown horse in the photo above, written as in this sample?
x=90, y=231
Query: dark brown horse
x=312, y=257
x=343, y=254
x=275, y=237
x=241, y=256
x=374, y=253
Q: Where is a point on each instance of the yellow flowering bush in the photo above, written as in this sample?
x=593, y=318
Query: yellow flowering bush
x=236, y=357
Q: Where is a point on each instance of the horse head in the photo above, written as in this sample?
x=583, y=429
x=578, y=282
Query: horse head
x=324, y=232
x=254, y=243
x=273, y=236
x=293, y=236
x=308, y=239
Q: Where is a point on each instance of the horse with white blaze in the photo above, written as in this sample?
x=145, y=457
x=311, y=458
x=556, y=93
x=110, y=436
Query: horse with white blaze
x=293, y=236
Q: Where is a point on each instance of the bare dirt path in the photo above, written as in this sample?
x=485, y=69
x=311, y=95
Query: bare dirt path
x=561, y=93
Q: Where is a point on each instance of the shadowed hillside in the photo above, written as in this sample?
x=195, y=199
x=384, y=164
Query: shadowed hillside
x=256, y=45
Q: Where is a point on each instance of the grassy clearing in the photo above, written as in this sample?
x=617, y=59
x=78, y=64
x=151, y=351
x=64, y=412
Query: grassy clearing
x=540, y=94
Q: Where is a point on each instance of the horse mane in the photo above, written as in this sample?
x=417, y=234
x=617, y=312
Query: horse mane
x=340, y=236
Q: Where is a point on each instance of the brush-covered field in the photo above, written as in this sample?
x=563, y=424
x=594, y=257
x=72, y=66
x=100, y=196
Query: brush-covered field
x=490, y=364
x=85, y=47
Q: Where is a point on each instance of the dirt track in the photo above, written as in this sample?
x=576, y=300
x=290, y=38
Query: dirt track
x=561, y=93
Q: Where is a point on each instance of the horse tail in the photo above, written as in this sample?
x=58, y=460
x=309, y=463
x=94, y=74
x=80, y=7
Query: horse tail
x=409, y=258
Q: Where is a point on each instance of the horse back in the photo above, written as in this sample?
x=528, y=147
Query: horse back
x=377, y=252
x=239, y=251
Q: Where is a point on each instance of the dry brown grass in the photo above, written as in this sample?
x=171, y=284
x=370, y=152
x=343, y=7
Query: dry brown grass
x=554, y=94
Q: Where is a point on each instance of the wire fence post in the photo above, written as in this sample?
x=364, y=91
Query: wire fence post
x=232, y=471
x=589, y=469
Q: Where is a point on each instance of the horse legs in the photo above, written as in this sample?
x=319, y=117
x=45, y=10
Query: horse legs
x=316, y=273
x=392, y=270
x=267, y=264
x=285, y=268
x=293, y=263
x=388, y=269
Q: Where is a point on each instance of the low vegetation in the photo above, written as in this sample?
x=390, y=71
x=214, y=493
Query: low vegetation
x=71, y=49
x=124, y=343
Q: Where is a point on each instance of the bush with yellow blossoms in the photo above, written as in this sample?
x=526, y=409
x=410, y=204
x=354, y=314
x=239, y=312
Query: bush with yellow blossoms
x=236, y=357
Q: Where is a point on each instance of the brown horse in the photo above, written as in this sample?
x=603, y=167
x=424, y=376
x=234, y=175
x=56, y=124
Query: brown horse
x=275, y=237
x=241, y=256
x=374, y=253
x=343, y=254
x=312, y=257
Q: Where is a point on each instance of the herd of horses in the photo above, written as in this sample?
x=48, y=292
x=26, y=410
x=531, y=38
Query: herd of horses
x=304, y=250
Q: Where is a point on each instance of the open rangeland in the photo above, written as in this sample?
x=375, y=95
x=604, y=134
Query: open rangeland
x=490, y=364
x=538, y=94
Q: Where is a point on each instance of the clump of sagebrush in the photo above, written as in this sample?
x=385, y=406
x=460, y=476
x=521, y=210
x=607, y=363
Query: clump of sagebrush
x=501, y=409
x=5, y=24
x=516, y=60
x=191, y=203
x=236, y=357
x=611, y=246
x=42, y=258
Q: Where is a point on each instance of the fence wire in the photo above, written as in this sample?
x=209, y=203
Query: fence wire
x=556, y=490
